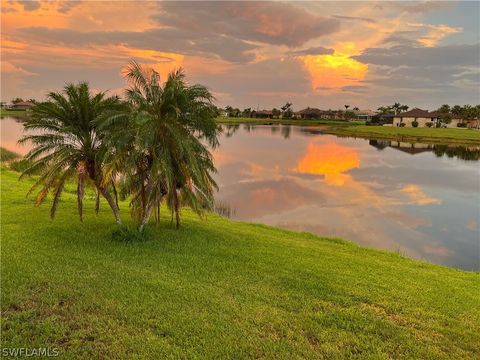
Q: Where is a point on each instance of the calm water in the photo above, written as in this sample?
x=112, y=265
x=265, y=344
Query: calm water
x=420, y=200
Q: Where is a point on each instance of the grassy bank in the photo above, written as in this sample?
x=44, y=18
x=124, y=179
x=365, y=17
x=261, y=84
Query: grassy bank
x=299, y=122
x=15, y=113
x=219, y=289
x=408, y=134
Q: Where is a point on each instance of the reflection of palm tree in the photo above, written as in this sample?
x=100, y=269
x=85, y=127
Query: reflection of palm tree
x=70, y=145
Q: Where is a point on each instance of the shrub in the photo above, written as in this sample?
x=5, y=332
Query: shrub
x=19, y=165
x=7, y=155
x=131, y=234
x=462, y=125
x=402, y=124
x=429, y=124
x=415, y=123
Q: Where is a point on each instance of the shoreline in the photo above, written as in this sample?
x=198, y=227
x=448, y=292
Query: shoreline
x=450, y=136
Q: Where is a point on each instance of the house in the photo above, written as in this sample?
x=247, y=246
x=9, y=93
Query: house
x=364, y=114
x=454, y=120
x=22, y=105
x=422, y=117
x=471, y=123
x=309, y=113
x=264, y=114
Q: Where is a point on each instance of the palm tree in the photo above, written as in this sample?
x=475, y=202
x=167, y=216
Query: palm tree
x=160, y=143
x=346, y=107
x=67, y=144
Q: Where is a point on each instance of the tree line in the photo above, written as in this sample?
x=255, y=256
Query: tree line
x=150, y=147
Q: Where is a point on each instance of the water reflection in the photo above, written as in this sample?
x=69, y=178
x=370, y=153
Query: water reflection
x=461, y=152
x=403, y=198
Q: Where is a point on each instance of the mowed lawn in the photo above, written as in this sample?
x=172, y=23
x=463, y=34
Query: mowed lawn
x=453, y=135
x=219, y=289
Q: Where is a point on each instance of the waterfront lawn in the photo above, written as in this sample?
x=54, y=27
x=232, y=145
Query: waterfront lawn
x=219, y=289
x=454, y=135
x=14, y=113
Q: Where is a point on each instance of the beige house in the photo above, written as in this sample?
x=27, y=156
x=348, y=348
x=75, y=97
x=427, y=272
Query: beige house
x=421, y=116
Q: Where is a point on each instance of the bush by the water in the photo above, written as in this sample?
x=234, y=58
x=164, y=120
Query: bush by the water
x=131, y=234
x=7, y=155
x=20, y=165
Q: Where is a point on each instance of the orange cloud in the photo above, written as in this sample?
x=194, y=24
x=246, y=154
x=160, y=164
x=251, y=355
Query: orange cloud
x=418, y=197
x=330, y=160
x=163, y=62
x=333, y=71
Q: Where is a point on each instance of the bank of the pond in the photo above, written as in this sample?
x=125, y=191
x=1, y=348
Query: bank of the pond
x=15, y=113
x=219, y=289
x=408, y=134
x=298, y=122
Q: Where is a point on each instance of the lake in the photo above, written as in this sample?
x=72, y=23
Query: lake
x=420, y=200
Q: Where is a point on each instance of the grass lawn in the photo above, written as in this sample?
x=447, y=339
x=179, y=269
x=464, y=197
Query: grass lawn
x=17, y=113
x=463, y=136
x=219, y=289
x=300, y=122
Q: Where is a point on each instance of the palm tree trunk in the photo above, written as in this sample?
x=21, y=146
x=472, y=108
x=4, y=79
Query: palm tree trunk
x=175, y=207
x=145, y=217
x=112, y=203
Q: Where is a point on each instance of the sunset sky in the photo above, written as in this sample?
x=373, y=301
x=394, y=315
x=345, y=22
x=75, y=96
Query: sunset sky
x=251, y=54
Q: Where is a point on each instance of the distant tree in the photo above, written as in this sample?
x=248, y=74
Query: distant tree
x=403, y=108
x=17, y=100
x=396, y=107
x=247, y=112
x=232, y=112
x=468, y=112
x=33, y=101
x=385, y=109
x=457, y=110
x=287, y=112
x=229, y=111
x=349, y=115
x=346, y=107
x=444, y=109
x=356, y=108
x=288, y=105
x=275, y=112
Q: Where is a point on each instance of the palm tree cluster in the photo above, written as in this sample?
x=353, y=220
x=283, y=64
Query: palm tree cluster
x=153, y=145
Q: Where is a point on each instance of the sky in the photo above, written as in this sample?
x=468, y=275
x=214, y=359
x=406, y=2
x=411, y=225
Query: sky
x=251, y=54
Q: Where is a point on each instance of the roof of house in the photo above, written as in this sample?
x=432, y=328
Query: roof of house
x=365, y=112
x=24, y=103
x=416, y=112
x=309, y=110
x=264, y=112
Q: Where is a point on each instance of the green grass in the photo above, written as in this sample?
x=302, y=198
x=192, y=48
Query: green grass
x=219, y=289
x=300, y=122
x=462, y=136
x=17, y=113
x=7, y=155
